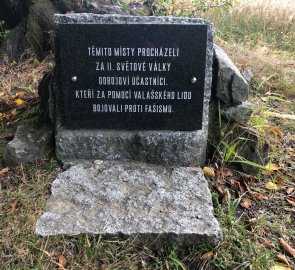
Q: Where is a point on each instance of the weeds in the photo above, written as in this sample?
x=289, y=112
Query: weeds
x=3, y=32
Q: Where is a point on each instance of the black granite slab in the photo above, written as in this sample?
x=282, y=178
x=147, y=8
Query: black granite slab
x=133, y=76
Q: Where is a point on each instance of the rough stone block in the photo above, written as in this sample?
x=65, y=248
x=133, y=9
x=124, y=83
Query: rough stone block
x=240, y=113
x=29, y=145
x=157, y=147
x=155, y=205
x=231, y=86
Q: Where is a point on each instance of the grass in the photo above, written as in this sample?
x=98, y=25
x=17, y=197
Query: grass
x=258, y=35
x=260, y=23
x=254, y=23
x=22, y=249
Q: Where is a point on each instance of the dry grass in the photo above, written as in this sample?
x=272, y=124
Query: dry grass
x=264, y=23
x=280, y=9
x=23, y=76
x=265, y=63
x=20, y=80
x=268, y=23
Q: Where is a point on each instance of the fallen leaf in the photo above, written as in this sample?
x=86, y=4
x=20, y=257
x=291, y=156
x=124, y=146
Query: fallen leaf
x=36, y=63
x=13, y=112
x=62, y=261
x=260, y=196
x=267, y=244
x=287, y=248
x=227, y=172
x=245, y=203
x=272, y=167
x=224, y=199
x=19, y=102
x=221, y=174
x=277, y=131
x=220, y=190
x=291, y=201
x=271, y=186
x=13, y=206
x=4, y=171
x=20, y=94
x=283, y=259
x=289, y=190
x=281, y=267
x=209, y=172
x=280, y=182
x=207, y=255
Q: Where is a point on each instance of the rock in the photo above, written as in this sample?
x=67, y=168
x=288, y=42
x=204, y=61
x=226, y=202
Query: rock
x=32, y=35
x=12, y=12
x=29, y=145
x=248, y=75
x=15, y=45
x=231, y=87
x=155, y=205
x=254, y=150
x=38, y=25
x=249, y=145
x=93, y=6
x=139, y=8
x=240, y=113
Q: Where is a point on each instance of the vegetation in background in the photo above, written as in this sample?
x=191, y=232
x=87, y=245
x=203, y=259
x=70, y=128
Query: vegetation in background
x=193, y=8
x=3, y=32
x=269, y=23
x=261, y=22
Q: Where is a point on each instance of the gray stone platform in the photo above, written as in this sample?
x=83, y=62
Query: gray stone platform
x=153, y=204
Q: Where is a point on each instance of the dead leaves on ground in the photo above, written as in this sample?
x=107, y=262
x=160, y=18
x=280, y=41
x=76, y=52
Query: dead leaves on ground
x=290, y=190
x=209, y=172
x=245, y=203
x=283, y=259
x=271, y=186
x=281, y=267
x=267, y=244
x=207, y=255
x=235, y=183
x=13, y=206
x=18, y=86
x=291, y=201
x=62, y=262
x=260, y=196
x=272, y=167
x=287, y=248
x=277, y=131
x=4, y=171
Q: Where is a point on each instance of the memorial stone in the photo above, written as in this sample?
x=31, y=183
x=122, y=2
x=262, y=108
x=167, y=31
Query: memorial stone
x=133, y=88
x=132, y=97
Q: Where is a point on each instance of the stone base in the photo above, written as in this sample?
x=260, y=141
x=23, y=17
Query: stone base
x=155, y=205
x=157, y=147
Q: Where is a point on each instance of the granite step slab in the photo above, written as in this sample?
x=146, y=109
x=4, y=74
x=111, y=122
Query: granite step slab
x=155, y=205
